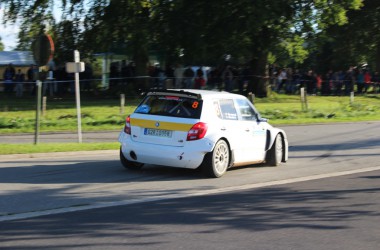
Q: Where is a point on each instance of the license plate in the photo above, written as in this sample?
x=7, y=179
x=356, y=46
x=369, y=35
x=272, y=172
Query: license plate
x=158, y=132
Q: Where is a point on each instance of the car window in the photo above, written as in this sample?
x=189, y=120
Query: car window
x=168, y=105
x=246, y=110
x=227, y=109
x=217, y=109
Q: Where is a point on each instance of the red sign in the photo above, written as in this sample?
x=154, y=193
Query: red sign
x=43, y=49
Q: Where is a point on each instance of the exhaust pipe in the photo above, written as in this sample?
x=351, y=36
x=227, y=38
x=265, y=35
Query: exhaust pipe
x=133, y=155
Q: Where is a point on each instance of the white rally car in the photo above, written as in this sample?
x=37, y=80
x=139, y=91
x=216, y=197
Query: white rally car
x=199, y=128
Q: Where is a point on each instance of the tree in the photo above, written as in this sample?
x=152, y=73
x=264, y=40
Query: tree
x=120, y=24
x=35, y=17
x=248, y=31
x=66, y=37
x=1, y=45
x=361, y=39
x=194, y=32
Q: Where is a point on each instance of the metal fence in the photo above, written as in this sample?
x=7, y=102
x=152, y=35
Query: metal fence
x=117, y=93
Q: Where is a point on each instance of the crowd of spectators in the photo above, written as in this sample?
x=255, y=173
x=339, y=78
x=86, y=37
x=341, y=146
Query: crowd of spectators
x=55, y=81
x=226, y=77
x=358, y=80
x=281, y=80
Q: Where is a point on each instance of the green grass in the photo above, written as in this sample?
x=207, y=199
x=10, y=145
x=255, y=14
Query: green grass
x=282, y=109
x=105, y=114
x=61, y=115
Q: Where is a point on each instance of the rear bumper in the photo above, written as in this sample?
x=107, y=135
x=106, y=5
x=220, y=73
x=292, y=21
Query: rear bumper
x=189, y=156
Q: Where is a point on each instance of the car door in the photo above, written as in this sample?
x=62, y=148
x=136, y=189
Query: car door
x=231, y=128
x=255, y=133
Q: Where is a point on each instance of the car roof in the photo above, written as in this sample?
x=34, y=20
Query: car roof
x=204, y=93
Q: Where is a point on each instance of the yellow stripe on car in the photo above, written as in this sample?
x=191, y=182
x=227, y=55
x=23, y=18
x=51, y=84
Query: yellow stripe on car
x=163, y=125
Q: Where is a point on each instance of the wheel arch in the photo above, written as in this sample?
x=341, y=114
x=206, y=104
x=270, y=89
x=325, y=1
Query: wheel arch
x=232, y=158
x=271, y=136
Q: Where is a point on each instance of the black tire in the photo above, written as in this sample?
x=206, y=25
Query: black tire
x=275, y=153
x=215, y=163
x=132, y=165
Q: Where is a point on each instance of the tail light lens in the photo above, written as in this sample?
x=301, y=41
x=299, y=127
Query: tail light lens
x=127, y=126
x=197, y=131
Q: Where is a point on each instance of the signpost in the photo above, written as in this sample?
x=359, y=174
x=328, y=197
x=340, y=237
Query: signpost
x=76, y=67
x=38, y=112
x=304, y=103
x=43, y=50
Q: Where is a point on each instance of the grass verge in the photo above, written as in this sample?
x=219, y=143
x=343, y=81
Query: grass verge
x=60, y=115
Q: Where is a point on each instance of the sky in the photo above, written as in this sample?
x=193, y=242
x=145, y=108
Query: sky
x=9, y=32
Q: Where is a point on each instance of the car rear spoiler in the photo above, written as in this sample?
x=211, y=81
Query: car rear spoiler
x=172, y=92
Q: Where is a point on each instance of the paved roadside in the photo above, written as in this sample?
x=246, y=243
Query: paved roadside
x=64, y=137
x=97, y=136
x=111, y=136
x=12, y=157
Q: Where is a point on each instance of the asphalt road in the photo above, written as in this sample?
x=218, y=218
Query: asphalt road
x=331, y=213
x=326, y=197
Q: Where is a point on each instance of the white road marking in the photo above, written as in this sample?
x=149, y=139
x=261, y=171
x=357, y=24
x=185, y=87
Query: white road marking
x=29, y=215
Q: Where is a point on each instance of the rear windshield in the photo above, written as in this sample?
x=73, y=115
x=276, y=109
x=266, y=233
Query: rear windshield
x=169, y=105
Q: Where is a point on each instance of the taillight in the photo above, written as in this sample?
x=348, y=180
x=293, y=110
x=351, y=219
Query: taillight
x=127, y=126
x=197, y=131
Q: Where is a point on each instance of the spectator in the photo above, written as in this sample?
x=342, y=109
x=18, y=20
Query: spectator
x=244, y=81
x=199, y=81
x=50, y=84
x=32, y=75
x=376, y=82
x=367, y=80
x=310, y=82
x=213, y=78
x=227, y=77
x=169, y=77
x=188, y=75
x=318, y=83
x=8, y=77
x=200, y=72
x=19, y=80
x=348, y=81
x=130, y=73
x=281, y=80
x=62, y=80
x=339, y=82
x=86, y=78
x=114, y=77
x=125, y=75
x=360, y=81
x=158, y=76
x=178, y=76
x=327, y=83
x=273, y=77
x=289, y=81
x=296, y=81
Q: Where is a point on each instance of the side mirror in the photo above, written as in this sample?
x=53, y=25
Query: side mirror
x=262, y=119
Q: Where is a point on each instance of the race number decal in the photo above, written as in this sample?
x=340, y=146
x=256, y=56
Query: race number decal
x=195, y=105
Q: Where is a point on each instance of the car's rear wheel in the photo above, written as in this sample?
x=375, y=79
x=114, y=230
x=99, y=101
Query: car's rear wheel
x=275, y=153
x=215, y=163
x=129, y=164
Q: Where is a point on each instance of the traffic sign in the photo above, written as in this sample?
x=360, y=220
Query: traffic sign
x=75, y=67
x=43, y=49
